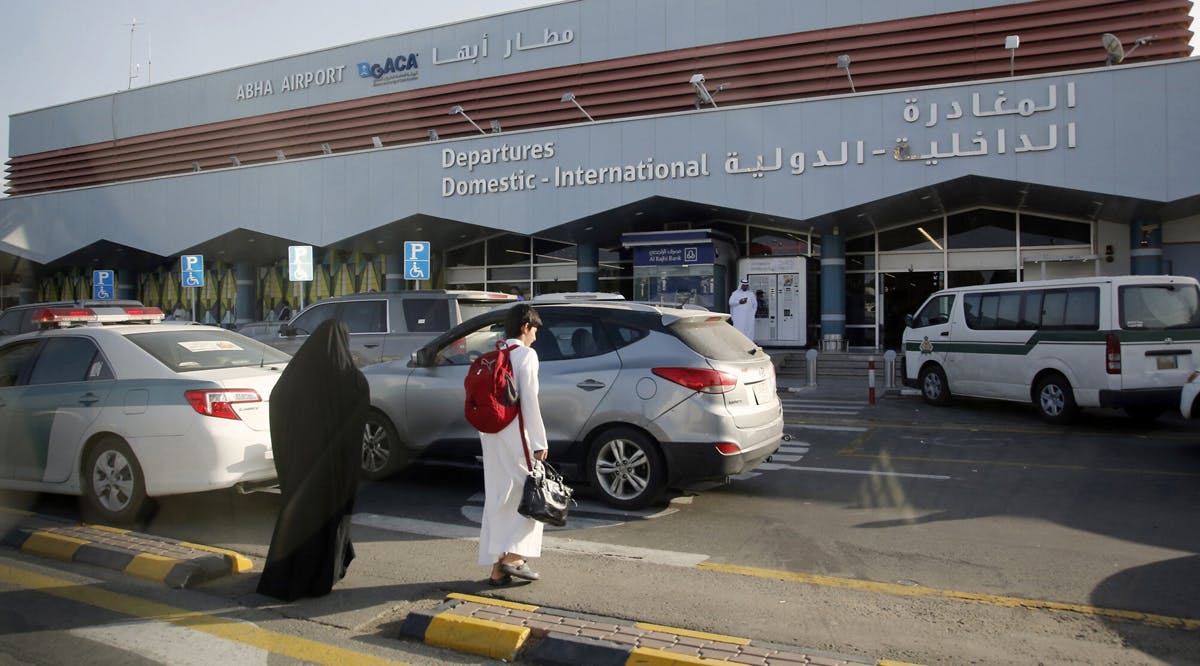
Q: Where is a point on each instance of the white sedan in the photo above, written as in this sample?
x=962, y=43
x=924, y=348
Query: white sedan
x=121, y=413
x=1188, y=404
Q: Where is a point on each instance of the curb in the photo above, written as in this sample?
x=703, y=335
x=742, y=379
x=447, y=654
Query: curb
x=513, y=631
x=175, y=563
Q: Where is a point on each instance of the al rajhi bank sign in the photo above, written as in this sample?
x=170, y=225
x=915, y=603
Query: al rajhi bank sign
x=978, y=125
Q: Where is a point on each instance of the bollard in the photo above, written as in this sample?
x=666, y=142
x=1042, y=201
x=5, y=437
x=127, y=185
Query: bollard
x=889, y=369
x=871, y=381
x=810, y=358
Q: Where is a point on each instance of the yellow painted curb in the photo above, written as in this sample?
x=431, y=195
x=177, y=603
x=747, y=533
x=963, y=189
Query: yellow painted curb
x=484, y=637
x=153, y=567
x=654, y=657
x=892, y=662
x=693, y=634
x=239, y=562
x=503, y=603
x=57, y=546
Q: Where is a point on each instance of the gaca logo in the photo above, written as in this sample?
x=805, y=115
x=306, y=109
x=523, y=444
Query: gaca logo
x=393, y=70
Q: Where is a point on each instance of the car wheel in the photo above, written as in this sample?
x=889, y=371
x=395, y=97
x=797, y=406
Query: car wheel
x=382, y=453
x=934, y=387
x=1054, y=400
x=626, y=469
x=1144, y=414
x=114, y=488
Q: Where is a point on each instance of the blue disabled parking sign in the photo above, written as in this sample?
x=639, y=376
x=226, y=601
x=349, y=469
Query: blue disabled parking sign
x=103, y=285
x=191, y=270
x=416, y=260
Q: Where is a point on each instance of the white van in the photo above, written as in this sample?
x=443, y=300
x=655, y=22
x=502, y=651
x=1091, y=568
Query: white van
x=1128, y=342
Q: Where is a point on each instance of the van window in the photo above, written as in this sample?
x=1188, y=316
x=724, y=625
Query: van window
x=936, y=311
x=1000, y=310
x=1159, y=306
x=1074, y=309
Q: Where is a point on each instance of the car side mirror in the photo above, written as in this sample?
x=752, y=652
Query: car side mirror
x=423, y=357
x=287, y=331
x=908, y=319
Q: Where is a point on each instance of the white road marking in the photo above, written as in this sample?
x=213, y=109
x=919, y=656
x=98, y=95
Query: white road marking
x=169, y=644
x=785, y=458
x=470, y=533
x=828, y=427
x=868, y=472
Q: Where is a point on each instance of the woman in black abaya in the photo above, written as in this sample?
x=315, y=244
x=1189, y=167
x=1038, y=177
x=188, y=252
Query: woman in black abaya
x=318, y=409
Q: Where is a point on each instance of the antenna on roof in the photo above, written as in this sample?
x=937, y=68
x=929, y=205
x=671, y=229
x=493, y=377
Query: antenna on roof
x=134, y=69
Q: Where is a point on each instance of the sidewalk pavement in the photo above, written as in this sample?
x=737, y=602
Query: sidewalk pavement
x=478, y=625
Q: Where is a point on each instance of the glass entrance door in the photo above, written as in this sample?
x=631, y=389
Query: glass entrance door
x=901, y=295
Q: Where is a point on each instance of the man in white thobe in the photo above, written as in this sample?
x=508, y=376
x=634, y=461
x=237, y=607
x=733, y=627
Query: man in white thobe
x=742, y=306
x=506, y=538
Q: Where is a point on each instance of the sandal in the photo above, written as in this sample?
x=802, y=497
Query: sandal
x=521, y=571
x=500, y=582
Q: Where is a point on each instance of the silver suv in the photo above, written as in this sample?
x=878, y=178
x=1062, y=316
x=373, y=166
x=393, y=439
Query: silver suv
x=386, y=325
x=636, y=398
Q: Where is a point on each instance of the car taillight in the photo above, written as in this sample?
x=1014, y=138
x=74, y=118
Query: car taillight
x=220, y=402
x=699, y=379
x=728, y=448
x=1112, y=354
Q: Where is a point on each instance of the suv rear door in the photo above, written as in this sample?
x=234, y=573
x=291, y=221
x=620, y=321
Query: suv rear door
x=1160, y=339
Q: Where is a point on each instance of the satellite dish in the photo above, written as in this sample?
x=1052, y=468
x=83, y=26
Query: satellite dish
x=1116, y=52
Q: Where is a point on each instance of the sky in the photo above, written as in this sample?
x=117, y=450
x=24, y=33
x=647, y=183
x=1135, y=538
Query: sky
x=66, y=50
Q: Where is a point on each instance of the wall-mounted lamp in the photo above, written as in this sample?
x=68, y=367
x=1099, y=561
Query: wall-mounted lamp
x=326, y=149
x=195, y=167
x=703, y=96
x=1011, y=43
x=279, y=156
x=433, y=135
x=495, y=126
x=377, y=141
x=235, y=160
x=458, y=110
x=570, y=97
x=843, y=62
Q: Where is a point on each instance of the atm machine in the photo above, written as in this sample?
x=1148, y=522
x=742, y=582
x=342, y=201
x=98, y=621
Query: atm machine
x=779, y=285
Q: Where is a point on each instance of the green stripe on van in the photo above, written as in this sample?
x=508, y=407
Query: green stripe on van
x=1058, y=337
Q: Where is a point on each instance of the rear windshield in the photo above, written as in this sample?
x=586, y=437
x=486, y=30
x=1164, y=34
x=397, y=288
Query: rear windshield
x=1160, y=306
x=713, y=337
x=468, y=309
x=205, y=348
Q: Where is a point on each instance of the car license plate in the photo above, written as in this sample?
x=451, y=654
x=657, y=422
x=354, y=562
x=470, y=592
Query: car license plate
x=761, y=393
x=1168, y=362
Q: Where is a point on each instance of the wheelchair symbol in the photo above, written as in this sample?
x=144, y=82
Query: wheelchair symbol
x=102, y=293
x=191, y=281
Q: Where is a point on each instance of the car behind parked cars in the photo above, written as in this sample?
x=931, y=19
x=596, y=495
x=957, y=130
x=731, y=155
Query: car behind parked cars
x=126, y=412
x=386, y=325
x=635, y=398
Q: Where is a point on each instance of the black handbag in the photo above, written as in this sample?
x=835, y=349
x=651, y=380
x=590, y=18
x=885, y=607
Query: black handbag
x=546, y=496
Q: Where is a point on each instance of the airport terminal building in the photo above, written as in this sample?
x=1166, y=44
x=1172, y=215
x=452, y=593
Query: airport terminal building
x=849, y=157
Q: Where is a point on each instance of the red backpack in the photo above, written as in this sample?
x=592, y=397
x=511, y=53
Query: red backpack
x=491, y=391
